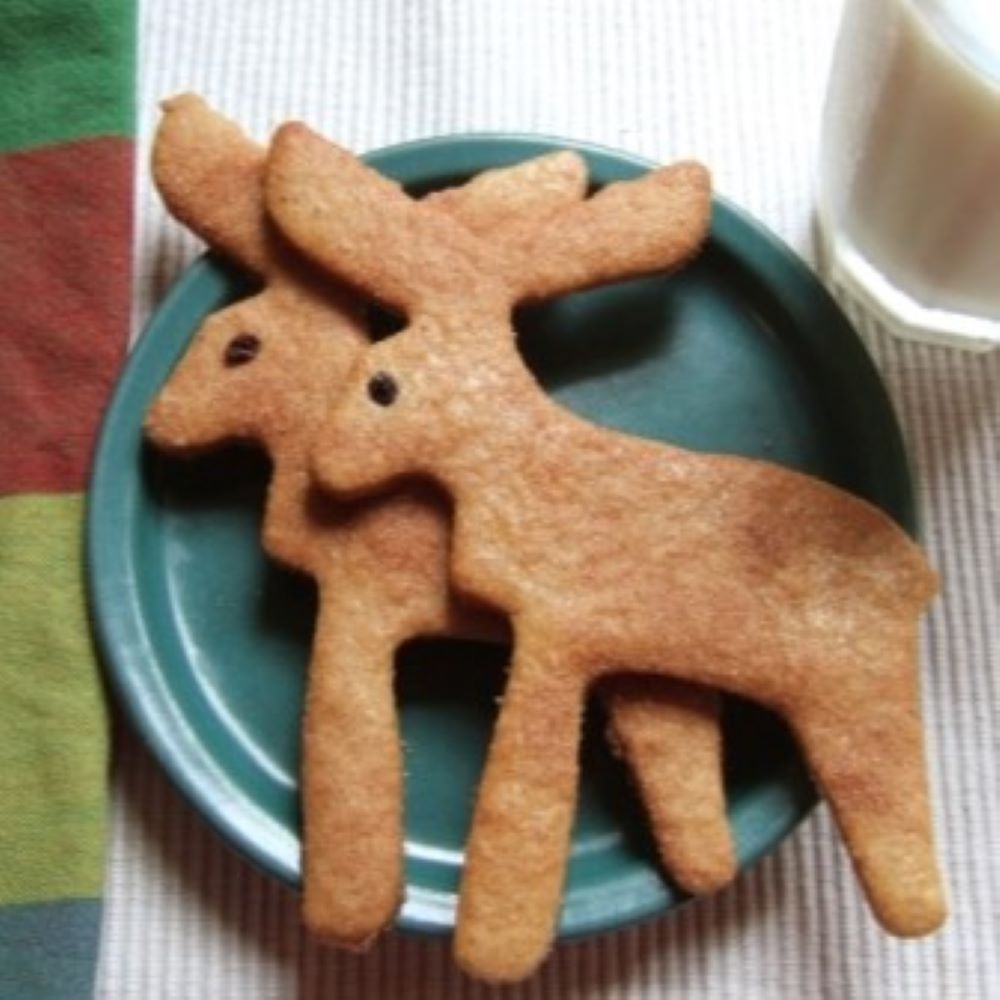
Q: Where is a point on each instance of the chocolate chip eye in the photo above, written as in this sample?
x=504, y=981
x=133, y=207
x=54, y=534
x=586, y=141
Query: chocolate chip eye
x=242, y=348
x=382, y=389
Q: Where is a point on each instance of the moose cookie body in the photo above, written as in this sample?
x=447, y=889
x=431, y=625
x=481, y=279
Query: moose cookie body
x=265, y=370
x=610, y=552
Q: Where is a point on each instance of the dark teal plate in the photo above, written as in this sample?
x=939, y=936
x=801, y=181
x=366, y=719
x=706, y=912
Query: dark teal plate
x=207, y=643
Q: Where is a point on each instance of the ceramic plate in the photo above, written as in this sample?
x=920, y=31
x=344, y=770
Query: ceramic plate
x=207, y=643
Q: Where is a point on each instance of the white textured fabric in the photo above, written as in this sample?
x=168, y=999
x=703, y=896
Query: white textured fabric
x=738, y=84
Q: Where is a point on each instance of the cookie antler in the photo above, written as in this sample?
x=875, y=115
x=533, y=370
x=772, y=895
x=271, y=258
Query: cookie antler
x=363, y=226
x=209, y=174
x=366, y=229
x=652, y=224
x=505, y=199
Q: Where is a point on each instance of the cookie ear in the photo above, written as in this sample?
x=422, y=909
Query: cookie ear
x=362, y=227
x=627, y=229
x=210, y=177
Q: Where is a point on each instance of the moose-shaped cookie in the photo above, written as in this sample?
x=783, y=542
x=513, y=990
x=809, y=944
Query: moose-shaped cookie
x=608, y=551
x=266, y=370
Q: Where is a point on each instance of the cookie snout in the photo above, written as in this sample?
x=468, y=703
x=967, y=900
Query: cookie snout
x=164, y=424
x=175, y=422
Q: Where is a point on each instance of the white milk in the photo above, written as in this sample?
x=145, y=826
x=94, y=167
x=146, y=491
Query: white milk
x=910, y=168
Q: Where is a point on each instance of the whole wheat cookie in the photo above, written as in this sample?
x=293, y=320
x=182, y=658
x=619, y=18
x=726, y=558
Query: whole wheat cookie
x=608, y=550
x=265, y=370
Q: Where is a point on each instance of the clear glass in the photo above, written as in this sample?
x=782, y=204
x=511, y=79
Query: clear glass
x=909, y=181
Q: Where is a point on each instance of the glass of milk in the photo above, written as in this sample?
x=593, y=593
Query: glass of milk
x=909, y=185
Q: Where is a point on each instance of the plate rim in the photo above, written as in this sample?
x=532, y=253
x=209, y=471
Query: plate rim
x=118, y=637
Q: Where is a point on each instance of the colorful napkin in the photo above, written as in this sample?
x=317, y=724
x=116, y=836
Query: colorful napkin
x=66, y=156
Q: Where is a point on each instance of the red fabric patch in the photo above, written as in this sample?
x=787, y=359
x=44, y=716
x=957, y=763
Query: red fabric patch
x=65, y=284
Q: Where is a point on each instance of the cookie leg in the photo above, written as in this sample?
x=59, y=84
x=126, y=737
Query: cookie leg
x=670, y=737
x=515, y=860
x=352, y=788
x=865, y=747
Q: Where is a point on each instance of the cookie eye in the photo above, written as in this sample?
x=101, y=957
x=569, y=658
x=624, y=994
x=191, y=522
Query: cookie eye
x=242, y=348
x=382, y=389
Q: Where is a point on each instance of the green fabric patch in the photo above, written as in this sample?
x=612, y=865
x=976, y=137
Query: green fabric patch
x=53, y=735
x=48, y=951
x=67, y=70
